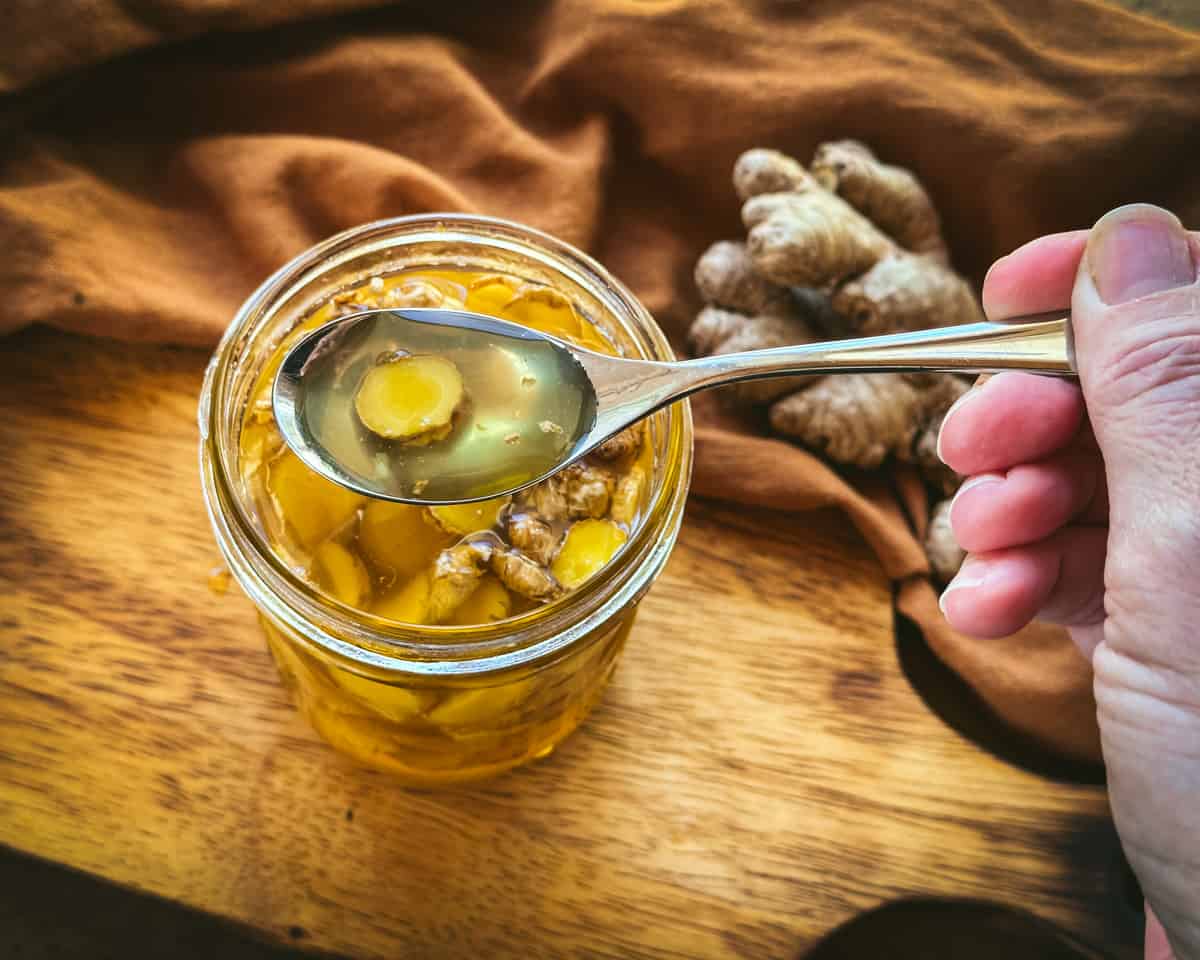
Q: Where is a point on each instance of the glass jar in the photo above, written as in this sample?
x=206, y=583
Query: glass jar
x=437, y=704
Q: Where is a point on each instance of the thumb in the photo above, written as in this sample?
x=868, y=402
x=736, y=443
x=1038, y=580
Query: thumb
x=1136, y=314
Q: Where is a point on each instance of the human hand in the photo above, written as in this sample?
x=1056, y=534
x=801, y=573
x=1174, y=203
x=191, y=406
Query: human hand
x=1082, y=507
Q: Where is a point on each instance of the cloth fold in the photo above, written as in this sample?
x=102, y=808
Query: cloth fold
x=145, y=196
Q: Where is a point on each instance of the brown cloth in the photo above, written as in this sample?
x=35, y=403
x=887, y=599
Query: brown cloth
x=160, y=159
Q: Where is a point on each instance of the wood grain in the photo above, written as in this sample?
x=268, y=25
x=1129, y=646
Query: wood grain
x=760, y=771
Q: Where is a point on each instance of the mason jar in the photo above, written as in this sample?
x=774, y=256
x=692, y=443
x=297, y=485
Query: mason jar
x=437, y=704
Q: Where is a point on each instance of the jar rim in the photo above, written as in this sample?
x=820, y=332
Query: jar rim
x=358, y=637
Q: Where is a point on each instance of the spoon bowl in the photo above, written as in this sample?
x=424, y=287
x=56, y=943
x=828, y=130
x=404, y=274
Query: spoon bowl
x=535, y=403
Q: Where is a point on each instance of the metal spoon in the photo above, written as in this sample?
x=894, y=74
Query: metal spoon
x=576, y=398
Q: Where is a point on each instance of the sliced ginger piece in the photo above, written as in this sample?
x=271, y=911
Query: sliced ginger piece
x=588, y=546
x=257, y=444
x=410, y=397
x=462, y=519
x=408, y=604
x=313, y=506
x=341, y=574
x=541, y=308
x=480, y=706
x=627, y=498
x=399, y=704
x=397, y=537
x=491, y=294
x=489, y=602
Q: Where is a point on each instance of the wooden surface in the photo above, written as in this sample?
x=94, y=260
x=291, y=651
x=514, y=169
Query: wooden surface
x=760, y=771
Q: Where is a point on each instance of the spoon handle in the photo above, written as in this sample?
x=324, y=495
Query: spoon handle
x=1041, y=343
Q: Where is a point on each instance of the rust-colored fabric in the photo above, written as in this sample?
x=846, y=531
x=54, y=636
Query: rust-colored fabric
x=144, y=196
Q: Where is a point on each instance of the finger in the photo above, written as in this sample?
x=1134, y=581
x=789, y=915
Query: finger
x=1156, y=946
x=1035, y=278
x=1060, y=580
x=995, y=511
x=1012, y=418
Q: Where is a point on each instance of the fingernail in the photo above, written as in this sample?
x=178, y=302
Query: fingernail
x=979, y=480
x=973, y=573
x=1137, y=250
x=954, y=408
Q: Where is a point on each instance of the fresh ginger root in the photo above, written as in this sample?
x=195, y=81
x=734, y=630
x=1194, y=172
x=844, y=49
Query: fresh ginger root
x=849, y=247
x=890, y=197
x=944, y=554
x=412, y=398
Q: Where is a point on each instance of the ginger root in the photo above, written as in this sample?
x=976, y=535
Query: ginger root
x=944, y=554
x=588, y=546
x=747, y=312
x=890, y=197
x=457, y=571
x=533, y=536
x=849, y=247
x=581, y=490
x=525, y=576
x=620, y=445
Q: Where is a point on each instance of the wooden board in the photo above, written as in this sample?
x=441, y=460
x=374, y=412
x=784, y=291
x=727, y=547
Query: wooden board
x=760, y=771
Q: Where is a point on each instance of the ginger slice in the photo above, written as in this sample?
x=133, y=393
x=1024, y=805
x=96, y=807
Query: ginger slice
x=398, y=704
x=588, y=546
x=488, y=602
x=480, y=706
x=314, y=507
x=541, y=308
x=461, y=519
x=627, y=498
x=491, y=294
x=397, y=538
x=408, y=604
x=410, y=397
x=341, y=574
